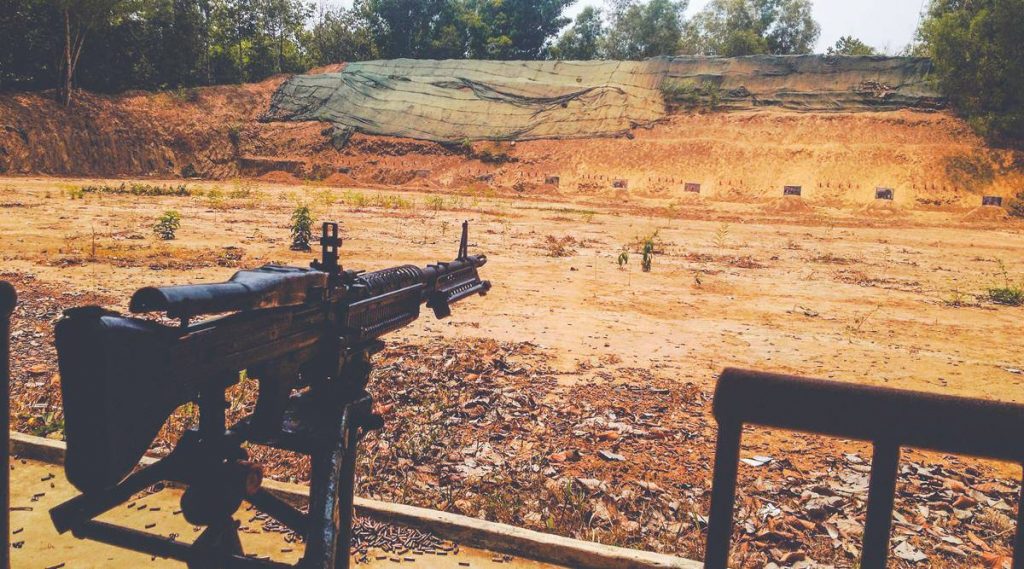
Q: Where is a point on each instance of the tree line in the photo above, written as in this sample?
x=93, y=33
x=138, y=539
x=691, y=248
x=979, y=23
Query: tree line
x=114, y=45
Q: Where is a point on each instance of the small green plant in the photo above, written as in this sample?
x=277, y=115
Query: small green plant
x=302, y=228
x=76, y=193
x=623, y=260
x=167, y=225
x=216, y=199
x=1009, y=294
x=647, y=253
x=435, y=203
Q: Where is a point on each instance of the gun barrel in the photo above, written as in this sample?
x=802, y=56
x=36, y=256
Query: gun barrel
x=271, y=286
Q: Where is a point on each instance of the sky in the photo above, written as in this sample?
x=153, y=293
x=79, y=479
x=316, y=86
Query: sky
x=887, y=25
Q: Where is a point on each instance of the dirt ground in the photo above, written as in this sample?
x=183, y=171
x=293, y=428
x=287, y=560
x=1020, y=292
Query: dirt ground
x=40, y=486
x=882, y=294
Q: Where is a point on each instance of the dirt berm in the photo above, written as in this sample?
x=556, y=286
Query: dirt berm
x=873, y=124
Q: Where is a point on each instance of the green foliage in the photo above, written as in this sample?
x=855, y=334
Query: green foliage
x=623, y=260
x=977, y=48
x=340, y=35
x=174, y=45
x=849, y=45
x=511, y=29
x=582, y=41
x=1015, y=207
x=156, y=44
x=639, y=30
x=647, y=253
x=747, y=27
x=1008, y=294
x=137, y=189
x=167, y=225
x=689, y=94
x=302, y=228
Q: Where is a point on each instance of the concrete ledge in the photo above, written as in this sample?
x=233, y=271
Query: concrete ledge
x=496, y=537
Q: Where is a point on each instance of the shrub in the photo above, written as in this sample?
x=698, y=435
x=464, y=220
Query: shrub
x=1016, y=205
x=302, y=228
x=560, y=246
x=167, y=225
x=975, y=47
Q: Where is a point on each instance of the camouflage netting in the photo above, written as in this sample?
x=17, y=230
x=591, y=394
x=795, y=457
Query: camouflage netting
x=460, y=100
x=456, y=100
x=802, y=82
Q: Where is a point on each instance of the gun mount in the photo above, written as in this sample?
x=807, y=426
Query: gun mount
x=307, y=335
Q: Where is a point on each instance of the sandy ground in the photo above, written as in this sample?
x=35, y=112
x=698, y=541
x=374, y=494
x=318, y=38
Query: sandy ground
x=39, y=486
x=884, y=294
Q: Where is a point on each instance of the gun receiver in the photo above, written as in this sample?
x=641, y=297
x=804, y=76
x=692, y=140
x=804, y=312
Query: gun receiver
x=312, y=329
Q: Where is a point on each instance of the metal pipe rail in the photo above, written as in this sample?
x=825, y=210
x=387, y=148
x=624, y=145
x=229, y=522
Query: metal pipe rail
x=888, y=418
x=8, y=299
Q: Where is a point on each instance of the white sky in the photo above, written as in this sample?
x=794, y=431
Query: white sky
x=888, y=25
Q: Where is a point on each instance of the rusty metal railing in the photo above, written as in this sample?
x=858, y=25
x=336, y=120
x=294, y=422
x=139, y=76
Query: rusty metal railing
x=888, y=418
x=7, y=301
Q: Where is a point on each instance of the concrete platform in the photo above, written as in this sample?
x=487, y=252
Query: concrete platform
x=38, y=486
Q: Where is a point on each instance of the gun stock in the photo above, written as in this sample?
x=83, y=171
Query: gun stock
x=116, y=396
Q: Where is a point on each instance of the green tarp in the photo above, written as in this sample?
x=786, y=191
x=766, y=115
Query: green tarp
x=469, y=100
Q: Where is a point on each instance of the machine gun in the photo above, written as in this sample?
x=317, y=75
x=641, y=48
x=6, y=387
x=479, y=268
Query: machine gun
x=307, y=335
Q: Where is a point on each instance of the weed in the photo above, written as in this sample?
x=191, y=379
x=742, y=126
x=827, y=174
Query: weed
x=167, y=225
x=623, y=260
x=46, y=425
x=216, y=199
x=136, y=189
x=956, y=298
x=1009, y=294
x=435, y=203
x=560, y=246
x=721, y=238
x=302, y=228
x=242, y=189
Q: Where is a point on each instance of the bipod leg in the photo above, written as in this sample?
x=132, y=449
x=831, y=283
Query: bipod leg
x=217, y=543
x=332, y=491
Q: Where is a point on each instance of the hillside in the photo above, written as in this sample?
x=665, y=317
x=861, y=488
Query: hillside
x=745, y=153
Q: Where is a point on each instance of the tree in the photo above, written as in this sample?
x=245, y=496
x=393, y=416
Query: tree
x=849, y=45
x=748, y=27
x=340, y=35
x=79, y=18
x=645, y=29
x=414, y=28
x=583, y=40
x=512, y=29
x=977, y=48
